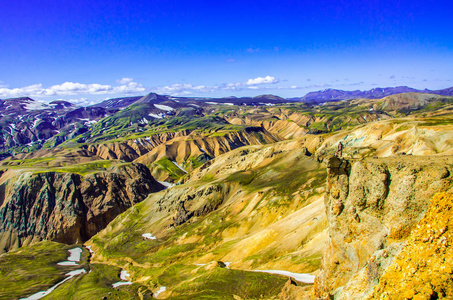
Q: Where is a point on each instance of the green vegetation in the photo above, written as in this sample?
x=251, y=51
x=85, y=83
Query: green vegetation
x=98, y=284
x=164, y=165
x=33, y=269
x=194, y=162
x=221, y=283
x=284, y=177
x=81, y=169
x=313, y=260
x=436, y=121
x=28, y=163
x=123, y=126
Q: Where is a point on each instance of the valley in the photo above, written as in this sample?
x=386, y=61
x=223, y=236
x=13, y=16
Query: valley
x=214, y=198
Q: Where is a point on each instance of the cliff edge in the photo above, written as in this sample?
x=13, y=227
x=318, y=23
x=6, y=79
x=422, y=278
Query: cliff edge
x=373, y=206
x=68, y=207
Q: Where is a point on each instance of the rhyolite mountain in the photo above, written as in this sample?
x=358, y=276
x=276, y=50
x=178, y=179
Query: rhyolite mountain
x=27, y=125
x=126, y=101
x=248, y=188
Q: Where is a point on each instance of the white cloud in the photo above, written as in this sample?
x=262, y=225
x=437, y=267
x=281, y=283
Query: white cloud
x=80, y=101
x=262, y=80
x=30, y=90
x=185, y=89
x=125, y=80
x=73, y=88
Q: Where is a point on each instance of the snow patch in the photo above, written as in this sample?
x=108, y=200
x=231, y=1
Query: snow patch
x=166, y=184
x=303, y=277
x=124, y=275
x=74, y=257
x=227, y=264
x=89, y=123
x=89, y=249
x=160, y=290
x=149, y=236
x=35, y=123
x=75, y=254
x=163, y=107
x=179, y=167
x=36, y=105
x=217, y=103
x=76, y=272
x=120, y=283
x=67, y=263
x=194, y=105
x=159, y=116
x=40, y=295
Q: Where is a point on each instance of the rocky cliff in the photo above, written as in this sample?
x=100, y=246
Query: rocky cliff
x=67, y=207
x=372, y=207
x=424, y=269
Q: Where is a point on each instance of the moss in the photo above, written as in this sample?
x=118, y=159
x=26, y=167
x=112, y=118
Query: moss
x=221, y=283
x=167, y=166
x=282, y=178
x=194, y=162
x=314, y=261
x=33, y=269
x=27, y=163
x=318, y=127
x=243, y=177
x=98, y=284
x=81, y=169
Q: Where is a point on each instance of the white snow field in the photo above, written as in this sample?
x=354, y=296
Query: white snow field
x=74, y=257
x=149, y=236
x=303, y=277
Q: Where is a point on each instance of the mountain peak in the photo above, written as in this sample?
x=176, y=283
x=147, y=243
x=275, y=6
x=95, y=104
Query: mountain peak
x=374, y=93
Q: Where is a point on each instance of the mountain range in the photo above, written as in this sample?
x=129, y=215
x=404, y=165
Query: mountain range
x=233, y=198
x=376, y=93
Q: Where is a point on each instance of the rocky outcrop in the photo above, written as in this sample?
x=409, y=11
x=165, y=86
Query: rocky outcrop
x=424, y=269
x=372, y=207
x=196, y=203
x=295, y=290
x=67, y=207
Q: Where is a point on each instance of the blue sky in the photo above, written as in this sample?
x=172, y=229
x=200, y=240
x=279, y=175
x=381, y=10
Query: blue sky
x=88, y=51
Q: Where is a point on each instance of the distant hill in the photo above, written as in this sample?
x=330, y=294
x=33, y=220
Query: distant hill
x=377, y=93
x=118, y=103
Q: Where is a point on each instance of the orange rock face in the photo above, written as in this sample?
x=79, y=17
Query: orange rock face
x=424, y=268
